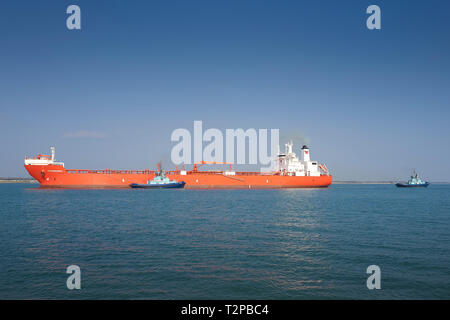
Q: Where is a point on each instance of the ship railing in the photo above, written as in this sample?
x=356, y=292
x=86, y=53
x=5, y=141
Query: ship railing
x=237, y=173
x=108, y=171
x=253, y=173
x=204, y=172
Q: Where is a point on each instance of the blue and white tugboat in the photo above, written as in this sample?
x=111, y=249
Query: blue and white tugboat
x=158, y=182
x=413, y=182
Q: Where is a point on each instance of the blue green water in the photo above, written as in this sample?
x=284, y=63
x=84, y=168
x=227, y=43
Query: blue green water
x=225, y=244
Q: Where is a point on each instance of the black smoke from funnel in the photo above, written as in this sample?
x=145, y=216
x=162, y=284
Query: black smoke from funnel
x=299, y=139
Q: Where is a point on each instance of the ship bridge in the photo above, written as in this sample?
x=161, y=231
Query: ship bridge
x=290, y=164
x=43, y=159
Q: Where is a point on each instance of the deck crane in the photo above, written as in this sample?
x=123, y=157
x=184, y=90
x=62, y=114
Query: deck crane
x=200, y=163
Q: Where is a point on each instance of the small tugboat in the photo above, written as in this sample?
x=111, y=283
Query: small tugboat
x=414, y=181
x=158, y=182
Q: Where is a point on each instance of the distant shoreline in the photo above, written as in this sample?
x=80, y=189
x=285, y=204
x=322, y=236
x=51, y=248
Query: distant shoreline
x=17, y=180
x=364, y=182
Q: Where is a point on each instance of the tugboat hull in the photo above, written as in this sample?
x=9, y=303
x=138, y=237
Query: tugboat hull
x=158, y=186
x=406, y=185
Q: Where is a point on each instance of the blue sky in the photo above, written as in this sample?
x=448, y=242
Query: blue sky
x=372, y=105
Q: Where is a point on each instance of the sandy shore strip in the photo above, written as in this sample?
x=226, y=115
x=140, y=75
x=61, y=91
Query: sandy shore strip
x=17, y=180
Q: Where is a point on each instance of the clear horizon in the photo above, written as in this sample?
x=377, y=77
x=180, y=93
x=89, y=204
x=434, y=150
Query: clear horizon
x=371, y=104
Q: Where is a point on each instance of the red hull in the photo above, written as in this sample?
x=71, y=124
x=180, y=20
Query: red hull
x=57, y=176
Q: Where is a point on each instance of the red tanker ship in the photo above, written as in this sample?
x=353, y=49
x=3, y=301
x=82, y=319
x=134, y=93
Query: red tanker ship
x=291, y=173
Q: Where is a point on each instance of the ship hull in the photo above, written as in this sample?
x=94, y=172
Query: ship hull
x=406, y=185
x=175, y=185
x=55, y=176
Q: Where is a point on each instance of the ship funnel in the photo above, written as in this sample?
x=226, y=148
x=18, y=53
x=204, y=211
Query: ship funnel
x=53, y=153
x=305, y=153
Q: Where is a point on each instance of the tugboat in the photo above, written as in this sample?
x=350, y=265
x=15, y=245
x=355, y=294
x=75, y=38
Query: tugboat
x=158, y=182
x=414, y=181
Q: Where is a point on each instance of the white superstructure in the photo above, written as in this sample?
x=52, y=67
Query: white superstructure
x=289, y=164
x=43, y=159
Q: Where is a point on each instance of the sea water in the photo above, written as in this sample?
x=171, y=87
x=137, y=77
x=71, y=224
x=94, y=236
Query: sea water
x=225, y=244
